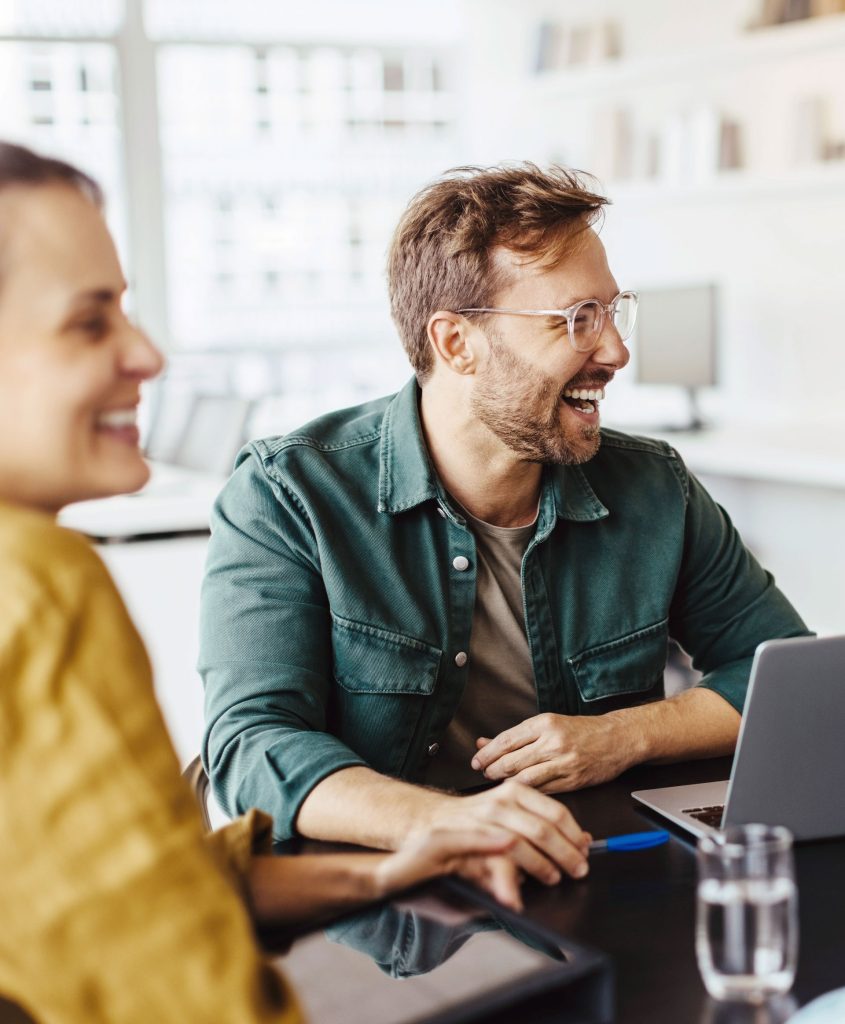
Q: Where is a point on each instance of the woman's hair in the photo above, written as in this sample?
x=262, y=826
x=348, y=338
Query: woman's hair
x=440, y=256
x=20, y=166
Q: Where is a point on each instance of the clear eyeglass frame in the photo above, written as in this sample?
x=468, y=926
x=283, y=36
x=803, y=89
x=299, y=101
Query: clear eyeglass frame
x=584, y=320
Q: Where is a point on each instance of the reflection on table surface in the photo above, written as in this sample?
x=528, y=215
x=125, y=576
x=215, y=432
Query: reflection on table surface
x=434, y=955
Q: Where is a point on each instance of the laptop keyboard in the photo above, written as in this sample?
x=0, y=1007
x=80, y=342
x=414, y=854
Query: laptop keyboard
x=707, y=815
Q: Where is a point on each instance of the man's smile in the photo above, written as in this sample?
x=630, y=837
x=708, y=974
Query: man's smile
x=583, y=397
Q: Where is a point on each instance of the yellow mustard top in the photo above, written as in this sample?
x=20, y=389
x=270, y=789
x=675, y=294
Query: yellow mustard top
x=114, y=909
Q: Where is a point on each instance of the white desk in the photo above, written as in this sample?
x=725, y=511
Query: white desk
x=774, y=455
x=174, y=501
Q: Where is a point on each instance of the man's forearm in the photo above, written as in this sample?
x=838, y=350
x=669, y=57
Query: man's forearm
x=697, y=723
x=537, y=834
x=357, y=805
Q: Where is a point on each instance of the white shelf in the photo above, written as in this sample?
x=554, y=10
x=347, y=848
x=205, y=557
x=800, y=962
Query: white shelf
x=767, y=45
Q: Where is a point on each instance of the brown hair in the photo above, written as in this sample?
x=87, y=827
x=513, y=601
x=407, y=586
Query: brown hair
x=20, y=166
x=440, y=255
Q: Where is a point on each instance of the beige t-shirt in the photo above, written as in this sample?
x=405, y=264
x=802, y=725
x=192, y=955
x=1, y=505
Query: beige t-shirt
x=500, y=690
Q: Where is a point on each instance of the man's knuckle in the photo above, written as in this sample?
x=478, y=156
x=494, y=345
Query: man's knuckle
x=539, y=832
x=561, y=814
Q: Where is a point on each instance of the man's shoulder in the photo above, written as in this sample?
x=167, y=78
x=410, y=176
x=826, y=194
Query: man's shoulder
x=613, y=441
x=337, y=431
x=637, y=459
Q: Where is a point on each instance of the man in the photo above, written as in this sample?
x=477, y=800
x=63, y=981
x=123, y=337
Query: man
x=470, y=581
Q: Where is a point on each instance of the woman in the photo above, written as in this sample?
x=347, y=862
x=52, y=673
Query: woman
x=115, y=907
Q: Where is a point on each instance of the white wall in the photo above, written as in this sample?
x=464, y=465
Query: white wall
x=771, y=237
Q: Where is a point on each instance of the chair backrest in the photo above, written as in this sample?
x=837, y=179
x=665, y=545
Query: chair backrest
x=214, y=432
x=196, y=778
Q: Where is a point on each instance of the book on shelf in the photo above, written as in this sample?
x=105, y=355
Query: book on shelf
x=559, y=46
x=781, y=12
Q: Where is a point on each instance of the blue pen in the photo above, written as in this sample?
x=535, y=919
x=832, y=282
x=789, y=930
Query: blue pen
x=632, y=841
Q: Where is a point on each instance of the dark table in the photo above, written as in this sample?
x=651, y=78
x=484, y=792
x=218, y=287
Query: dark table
x=639, y=908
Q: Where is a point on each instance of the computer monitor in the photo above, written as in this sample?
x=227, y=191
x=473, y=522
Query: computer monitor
x=675, y=340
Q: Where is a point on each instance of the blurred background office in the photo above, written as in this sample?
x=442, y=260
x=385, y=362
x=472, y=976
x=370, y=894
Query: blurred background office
x=256, y=156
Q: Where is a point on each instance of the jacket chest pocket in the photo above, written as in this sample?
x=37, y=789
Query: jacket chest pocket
x=622, y=672
x=383, y=679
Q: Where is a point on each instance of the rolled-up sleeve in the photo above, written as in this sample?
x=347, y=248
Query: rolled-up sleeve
x=265, y=651
x=725, y=603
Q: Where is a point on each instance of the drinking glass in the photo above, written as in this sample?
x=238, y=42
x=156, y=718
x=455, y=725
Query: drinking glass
x=746, y=937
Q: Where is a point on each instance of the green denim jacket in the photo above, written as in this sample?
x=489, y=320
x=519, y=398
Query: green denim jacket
x=340, y=587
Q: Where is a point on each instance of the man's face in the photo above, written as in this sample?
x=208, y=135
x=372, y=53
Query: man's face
x=519, y=390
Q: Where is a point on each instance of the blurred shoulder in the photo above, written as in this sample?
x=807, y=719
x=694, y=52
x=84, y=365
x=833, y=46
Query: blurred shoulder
x=39, y=558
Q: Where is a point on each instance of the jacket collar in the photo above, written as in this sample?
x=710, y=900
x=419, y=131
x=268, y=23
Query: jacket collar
x=407, y=477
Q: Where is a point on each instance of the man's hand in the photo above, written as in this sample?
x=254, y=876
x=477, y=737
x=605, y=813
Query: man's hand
x=546, y=839
x=558, y=753
x=475, y=855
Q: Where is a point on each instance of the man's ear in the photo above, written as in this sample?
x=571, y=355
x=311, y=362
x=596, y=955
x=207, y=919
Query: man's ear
x=448, y=336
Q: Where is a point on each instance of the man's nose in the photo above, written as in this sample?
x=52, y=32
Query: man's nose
x=611, y=349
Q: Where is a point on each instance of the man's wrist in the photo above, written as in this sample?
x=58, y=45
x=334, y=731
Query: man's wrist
x=436, y=810
x=632, y=732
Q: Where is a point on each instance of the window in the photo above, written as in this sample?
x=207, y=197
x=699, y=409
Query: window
x=266, y=165
x=285, y=168
x=62, y=96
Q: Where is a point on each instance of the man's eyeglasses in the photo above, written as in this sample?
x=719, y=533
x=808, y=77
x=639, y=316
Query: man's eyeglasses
x=584, y=320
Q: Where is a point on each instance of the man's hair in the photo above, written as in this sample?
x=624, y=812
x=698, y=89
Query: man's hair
x=440, y=255
x=20, y=166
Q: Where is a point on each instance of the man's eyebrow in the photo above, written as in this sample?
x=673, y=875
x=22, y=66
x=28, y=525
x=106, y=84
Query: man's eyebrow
x=583, y=298
x=565, y=305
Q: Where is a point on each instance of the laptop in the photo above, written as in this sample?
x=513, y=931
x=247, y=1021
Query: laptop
x=789, y=766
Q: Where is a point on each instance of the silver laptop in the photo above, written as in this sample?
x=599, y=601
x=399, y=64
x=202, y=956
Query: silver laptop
x=789, y=766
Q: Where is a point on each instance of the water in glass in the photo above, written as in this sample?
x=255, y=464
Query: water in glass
x=744, y=937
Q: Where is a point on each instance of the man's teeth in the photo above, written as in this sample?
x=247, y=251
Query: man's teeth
x=118, y=418
x=584, y=394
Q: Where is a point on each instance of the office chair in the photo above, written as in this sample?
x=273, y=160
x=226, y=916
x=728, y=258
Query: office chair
x=196, y=778
x=197, y=430
x=215, y=430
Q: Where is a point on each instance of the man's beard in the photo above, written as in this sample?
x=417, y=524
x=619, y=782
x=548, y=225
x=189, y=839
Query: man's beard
x=522, y=407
